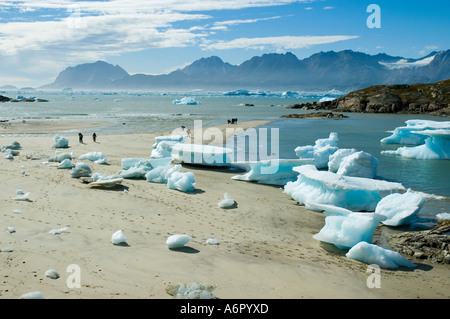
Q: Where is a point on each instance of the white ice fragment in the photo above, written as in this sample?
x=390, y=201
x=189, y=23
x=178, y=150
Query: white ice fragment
x=66, y=163
x=321, y=151
x=118, y=238
x=96, y=157
x=324, y=187
x=81, y=170
x=60, y=142
x=358, y=164
x=227, y=201
x=177, y=241
x=17, y=211
x=193, y=291
x=373, y=254
x=207, y=155
x=11, y=229
x=412, y=132
x=212, y=241
x=22, y=196
x=58, y=231
x=32, y=295
x=52, y=273
x=400, y=209
x=443, y=216
x=186, y=101
x=182, y=181
x=6, y=250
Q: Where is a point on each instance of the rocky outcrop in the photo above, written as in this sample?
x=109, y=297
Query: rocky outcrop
x=316, y=115
x=4, y=98
x=432, y=245
x=433, y=99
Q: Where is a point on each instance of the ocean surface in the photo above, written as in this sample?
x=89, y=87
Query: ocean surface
x=157, y=112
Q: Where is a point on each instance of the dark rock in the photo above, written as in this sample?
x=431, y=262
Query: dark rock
x=316, y=115
x=4, y=98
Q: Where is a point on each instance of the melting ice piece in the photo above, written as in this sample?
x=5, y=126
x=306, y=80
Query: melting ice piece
x=96, y=157
x=192, y=291
x=344, y=228
x=357, y=164
x=201, y=154
x=437, y=146
x=164, y=144
x=81, y=170
x=177, y=241
x=321, y=151
x=373, y=254
x=212, y=241
x=186, y=101
x=32, y=295
x=323, y=187
x=66, y=163
x=227, y=201
x=52, y=273
x=21, y=195
x=118, y=238
x=58, y=231
x=182, y=181
x=272, y=172
x=161, y=174
x=60, y=142
x=412, y=132
x=400, y=209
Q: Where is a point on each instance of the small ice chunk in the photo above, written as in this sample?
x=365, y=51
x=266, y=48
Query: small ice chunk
x=177, y=241
x=81, y=170
x=443, y=216
x=192, y=291
x=118, y=238
x=212, y=241
x=58, y=231
x=373, y=254
x=227, y=201
x=52, y=273
x=96, y=157
x=22, y=196
x=66, y=163
x=6, y=250
x=32, y=295
x=11, y=229
x=321, y=151
x=17, y=211
x=60, y=142
x=182, y=181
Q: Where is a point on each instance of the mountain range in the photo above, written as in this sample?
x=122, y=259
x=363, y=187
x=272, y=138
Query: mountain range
x=344, y=70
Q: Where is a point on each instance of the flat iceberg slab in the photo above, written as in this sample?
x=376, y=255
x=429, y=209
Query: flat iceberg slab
x=344, y=228
x=437, y=146
x=186, y=101
x=412, y=132
x=321, y=151
x=201, y=154
x=373, y=254
x=400, y=209
x=324, y=187
x=272, y=172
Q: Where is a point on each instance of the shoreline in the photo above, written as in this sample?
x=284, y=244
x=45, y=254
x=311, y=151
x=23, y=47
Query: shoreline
x=265, y=250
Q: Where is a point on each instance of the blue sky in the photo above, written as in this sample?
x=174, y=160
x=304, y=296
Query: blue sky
x=38, y=39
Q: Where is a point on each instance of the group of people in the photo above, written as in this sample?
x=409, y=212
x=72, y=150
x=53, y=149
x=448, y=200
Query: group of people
x=80, y=137
x=233, y=121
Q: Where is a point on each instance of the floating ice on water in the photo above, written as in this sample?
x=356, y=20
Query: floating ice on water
x=336, y=158
x=58, y=231
x=344, y=228
x=321, y=151
x=52, y=273
x=443, y=216
x=201, y=154
x=32, y=295
x=358, y=164
x=81, y=170
x=373, y=254
x=60, y=142
x=437, y=146
x=177, y=241
x=96, y=157
x=186, y=101
x=324, y=187
x=182, y=181
x=400, y=209
x=227, y=201
x=412, y=132
x=272, y=172
x=118, y=238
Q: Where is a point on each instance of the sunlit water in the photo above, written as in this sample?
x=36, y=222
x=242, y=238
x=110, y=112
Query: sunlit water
x=142, y=113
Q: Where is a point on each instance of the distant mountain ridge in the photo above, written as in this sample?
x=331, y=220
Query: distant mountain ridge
x=344, y=70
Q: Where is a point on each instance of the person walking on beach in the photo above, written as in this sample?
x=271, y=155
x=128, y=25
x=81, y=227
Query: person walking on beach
x=80, y=138
x=94, y=137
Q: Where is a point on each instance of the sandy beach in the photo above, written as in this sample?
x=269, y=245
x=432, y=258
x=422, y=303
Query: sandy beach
x=265, y=250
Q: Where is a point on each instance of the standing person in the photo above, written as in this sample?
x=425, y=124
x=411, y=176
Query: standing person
x=80, y=138
x=94, y=137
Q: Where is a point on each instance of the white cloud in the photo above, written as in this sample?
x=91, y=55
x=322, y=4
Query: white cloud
x=277, y=43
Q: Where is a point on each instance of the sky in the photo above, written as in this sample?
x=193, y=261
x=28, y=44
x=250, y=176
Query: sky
x=38, y=39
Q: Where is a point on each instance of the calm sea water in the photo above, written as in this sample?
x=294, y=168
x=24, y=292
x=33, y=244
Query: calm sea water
x=153, y=112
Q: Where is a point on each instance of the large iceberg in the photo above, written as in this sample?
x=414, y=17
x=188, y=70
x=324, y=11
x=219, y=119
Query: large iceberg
x=272, y=172
x=201, y=154
x=437, y=146
x=373, y=254
x=400, y=209
x=344, y=228
x=324, y=187
x=412, y=132
x=321, y=151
